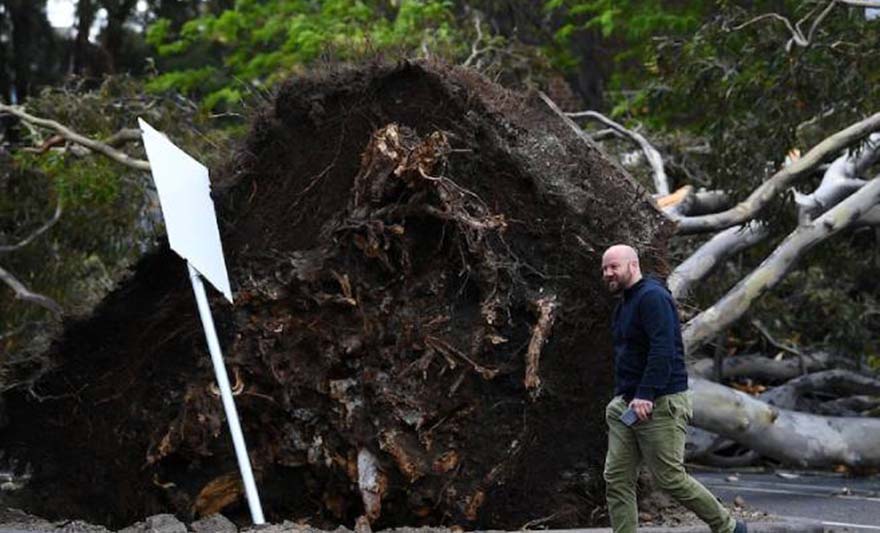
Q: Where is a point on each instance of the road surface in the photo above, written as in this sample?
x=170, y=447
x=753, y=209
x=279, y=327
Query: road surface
x=842, y=503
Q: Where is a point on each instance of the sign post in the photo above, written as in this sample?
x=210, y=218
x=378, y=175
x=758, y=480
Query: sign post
x=185, y=196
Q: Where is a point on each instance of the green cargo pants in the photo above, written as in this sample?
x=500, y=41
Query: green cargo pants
x=658, y=443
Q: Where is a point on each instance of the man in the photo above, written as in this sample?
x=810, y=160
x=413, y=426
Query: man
x=651, y=379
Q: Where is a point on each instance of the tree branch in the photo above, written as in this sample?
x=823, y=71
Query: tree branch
x=794, y=438
x=23, y=293
x=712, y=253
x=72, y=136
x=475, y=51
x=861, y=3
x=782, y=180
x=738, y=300
x=760, y=367
x=123, y=136
x=39, y=231
x=837, y=382
x=840, y=180
x=797, y=35
x=661, y=182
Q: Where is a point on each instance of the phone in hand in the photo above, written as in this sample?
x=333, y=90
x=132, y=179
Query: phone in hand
x=629, y=417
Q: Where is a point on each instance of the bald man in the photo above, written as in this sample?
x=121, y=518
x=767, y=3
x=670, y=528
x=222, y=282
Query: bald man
x=650, y=380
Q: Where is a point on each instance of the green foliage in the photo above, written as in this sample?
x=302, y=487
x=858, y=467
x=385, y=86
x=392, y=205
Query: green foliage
x=734, y=87
x=838, y=305
x=110, y=218
x=91, y=183
x=631, y=23
x=257, y=44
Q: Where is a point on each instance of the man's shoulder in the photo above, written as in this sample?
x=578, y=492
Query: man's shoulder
x=653, y=290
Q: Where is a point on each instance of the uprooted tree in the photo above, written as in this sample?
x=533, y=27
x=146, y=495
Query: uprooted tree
x=449, y=385
x=420, y=332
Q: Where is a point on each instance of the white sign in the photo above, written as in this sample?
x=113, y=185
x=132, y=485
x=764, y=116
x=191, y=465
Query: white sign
x=185, y=196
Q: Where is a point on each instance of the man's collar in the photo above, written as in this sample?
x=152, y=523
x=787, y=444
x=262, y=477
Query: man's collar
x=633, y=288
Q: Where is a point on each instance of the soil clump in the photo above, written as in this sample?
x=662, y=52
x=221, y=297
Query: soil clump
x=419, y=334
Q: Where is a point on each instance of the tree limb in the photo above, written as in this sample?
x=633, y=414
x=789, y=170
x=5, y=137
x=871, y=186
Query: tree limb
x=738, y=300
x=123, y=136
x=695, y=202
x=23, y=293
x=837, y=382
x=72, y=136
x=800, y=439
x=712, y=253
x=782, y=180
x=661, y=182
x=475, y=51
x=849, y=406
x=841, y=179
x=797, y=35
x=39, y=231
x=759, y=367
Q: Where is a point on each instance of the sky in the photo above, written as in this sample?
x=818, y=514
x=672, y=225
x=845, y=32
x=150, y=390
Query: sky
x=61, y=13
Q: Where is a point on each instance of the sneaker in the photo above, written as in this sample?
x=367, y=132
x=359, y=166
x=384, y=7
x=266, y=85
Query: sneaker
x=740, y=527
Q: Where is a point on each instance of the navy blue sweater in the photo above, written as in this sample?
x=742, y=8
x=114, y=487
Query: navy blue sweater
x=648, y=351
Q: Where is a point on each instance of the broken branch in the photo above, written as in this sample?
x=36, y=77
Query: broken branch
x=770, y=272
x=782, y=180
x=72, y=136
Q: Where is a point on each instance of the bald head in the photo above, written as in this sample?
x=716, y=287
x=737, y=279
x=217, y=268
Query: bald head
x=620, y=267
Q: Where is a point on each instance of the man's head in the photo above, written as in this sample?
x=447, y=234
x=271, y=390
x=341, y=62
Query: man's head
x=620, y=268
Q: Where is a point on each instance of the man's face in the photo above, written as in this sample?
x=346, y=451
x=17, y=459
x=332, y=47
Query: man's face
x=616, y=272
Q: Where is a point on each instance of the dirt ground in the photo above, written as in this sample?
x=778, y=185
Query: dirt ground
x=16, y=521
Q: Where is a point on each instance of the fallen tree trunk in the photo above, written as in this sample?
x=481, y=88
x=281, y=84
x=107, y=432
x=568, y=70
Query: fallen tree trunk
x=760, y=367
x=794, y=438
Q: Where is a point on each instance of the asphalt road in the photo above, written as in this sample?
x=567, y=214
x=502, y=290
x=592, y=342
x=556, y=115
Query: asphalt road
x=842, y=503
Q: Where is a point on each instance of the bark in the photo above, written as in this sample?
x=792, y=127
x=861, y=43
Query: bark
x=118, y=12
x=655, y=160
x=773, y=269
x=782, y=180
x=840, y=180
x=707, y=448
x=760, y=367
x=850, y=406
x=793, y=438
x=23, y=17
x=85, y=17
x=687, y=201
x=836, y=383
x=713, y=253
x=74, y=137
x=26, y=295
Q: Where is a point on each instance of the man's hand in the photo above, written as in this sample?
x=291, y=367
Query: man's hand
x=642, y=408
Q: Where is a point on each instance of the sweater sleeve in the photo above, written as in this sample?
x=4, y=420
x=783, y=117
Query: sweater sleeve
x=658, y=318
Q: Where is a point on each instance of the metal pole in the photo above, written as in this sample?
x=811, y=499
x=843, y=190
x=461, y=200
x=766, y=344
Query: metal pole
x=244, y=463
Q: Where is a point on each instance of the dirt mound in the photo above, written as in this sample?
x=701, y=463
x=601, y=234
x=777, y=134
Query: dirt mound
x=419, y=334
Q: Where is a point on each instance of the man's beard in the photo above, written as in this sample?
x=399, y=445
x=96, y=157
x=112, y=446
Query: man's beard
x=616, y=285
